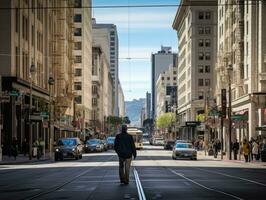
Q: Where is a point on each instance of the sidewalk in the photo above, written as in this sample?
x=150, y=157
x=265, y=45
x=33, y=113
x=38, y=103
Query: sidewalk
x=225, y=159
x=21, y=159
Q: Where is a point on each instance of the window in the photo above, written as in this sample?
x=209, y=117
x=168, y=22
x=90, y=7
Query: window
x=112, y=53
x=77, y=86
x=77, y=32
x=112, y=39
x=174, y=72
x=32, y=35
x=112, y=61
x=78, y=46
x=94, y=101
x=200, y=42
x=207, y=15
x=207, y=82
x=17, y=62
x=112, y=43
x=174, y=78
x=201, y=15
x=207, y=69
x=78, y=59
x=78, y=72
x=77, y=18
x=17, y=19
x=200, y=82
x=201, y=30
x=200, y=69
x=112, y=33
x=247, y=27
x=201, y=56
x=168, y=78
x=207, y=56
x=207, y=30
x=78, y=4
x=207, y=43
x=78, y=99
x=201, y=95
x=162, y=78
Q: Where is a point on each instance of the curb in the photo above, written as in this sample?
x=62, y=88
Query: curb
x=23, y=162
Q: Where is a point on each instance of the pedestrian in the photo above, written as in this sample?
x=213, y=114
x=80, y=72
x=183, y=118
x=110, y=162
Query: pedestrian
x=215, y=148
x=14, y=148
x=250, y=156
x=235, y=149
x=125, y=148
x=25, y=146
x=255, y=150
x=245, y=148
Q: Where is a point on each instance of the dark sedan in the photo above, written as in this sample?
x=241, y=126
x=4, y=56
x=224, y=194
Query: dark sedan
x=68, y=148
x=94, y=145
x=168, y=145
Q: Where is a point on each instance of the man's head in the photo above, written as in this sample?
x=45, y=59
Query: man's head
x=124, y=128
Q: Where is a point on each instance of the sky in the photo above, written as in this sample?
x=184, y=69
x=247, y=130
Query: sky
x=141, y=32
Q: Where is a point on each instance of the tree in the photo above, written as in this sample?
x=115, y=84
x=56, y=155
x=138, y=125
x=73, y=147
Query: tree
x=126, y=120
x=165, y=120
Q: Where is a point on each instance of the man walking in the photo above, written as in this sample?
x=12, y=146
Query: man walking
x=125, y=148
x=235, y=149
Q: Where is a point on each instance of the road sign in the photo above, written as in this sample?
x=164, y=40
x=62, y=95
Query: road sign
x=14, y=93
x=5, y=99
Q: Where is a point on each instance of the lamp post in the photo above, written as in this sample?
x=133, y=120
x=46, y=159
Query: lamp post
x=51, y=132
x=32, y=73
x=229, y=70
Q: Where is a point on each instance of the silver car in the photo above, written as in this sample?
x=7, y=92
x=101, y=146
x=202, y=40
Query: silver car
x=184, y=150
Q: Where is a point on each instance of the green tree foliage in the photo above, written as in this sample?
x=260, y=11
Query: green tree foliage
x=114, y=120
x=126, y=120
x=147, y=122
x=165, y=120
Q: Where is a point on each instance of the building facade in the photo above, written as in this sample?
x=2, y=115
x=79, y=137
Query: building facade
x=241, y=65
x=166, y=87
x=148, y=105
x=108, y=32
x=82, y=52
x=196, y=25
x=121, y=101
x=36, y=45
x=160, y=62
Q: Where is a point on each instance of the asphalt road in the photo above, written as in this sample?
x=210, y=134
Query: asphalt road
x=160, y=177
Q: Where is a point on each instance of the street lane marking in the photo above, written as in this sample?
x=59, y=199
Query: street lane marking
x=205, y=187
x=139, y=186
x=231, y=176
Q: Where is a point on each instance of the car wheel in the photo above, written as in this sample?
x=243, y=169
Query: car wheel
x=80, y=156
x=173, y=157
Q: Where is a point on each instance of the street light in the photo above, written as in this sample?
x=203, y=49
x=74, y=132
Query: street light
x=51, y=83
x=32, y=73
x=229, y=70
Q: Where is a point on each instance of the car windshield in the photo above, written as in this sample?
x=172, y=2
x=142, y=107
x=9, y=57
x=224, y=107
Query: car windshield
x=110, y=140
x=67, y=142
x=183, y=145
x=93, y=141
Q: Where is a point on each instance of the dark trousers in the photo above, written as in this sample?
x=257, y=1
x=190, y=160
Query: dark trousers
x=246, y=158
x=235, y=154
x=124, y=168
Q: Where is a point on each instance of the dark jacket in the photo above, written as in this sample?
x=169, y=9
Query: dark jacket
x=124, y=145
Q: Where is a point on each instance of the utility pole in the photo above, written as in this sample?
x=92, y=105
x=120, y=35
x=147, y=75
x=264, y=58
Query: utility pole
x=230, y=69
x=1, y=157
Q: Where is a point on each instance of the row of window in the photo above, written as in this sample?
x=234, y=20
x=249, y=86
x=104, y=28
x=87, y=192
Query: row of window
x=206, y=69
x=168, y=78
x=204, y=82
x=206, y=42
x=204, y=56
x=204, y=30
x=204, y=15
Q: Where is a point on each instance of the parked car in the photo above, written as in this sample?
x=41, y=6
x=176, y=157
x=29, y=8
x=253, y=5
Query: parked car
x=105, y=145
x=94, y=145
x=168, y=145
x=184, y=150
x=68, y=148
x=158, y=141
x=110, y=142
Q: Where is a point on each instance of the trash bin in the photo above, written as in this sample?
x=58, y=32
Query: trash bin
x=263, y=155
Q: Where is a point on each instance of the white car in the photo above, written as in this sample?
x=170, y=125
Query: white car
x=184, y=150
x=158, y=141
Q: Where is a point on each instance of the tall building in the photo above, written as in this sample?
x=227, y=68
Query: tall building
x=196, y=25
x=148, y=105
x=166, y=87
x=121, y=101
x=36, y=46
x=241, y=60
x=82, y=64
x=160, y=62
x=108, y=33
